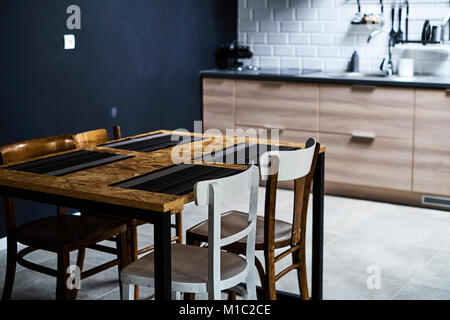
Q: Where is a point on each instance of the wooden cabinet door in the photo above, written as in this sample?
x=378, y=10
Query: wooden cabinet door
x=218, y=104
x=381, y=111
x=432, y=142
x=277, y=104
x=382, y=162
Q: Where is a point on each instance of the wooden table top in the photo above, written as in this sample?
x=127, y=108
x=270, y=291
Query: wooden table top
x=94, y=183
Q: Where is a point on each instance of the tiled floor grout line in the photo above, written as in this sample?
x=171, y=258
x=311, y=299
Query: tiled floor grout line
x=417, y=272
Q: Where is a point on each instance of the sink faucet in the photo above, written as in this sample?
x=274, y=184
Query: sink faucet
x=389, y=65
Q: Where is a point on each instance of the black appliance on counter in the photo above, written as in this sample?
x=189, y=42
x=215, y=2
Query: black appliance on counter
x=227, y=57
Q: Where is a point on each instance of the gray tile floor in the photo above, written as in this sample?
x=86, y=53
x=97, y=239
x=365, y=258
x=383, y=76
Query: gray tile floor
x=408, y=247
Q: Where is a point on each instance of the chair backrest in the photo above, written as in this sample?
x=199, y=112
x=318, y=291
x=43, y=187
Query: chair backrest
x=298, y=165
x=291, y=165
x=213, y=193
x=91, y=138
x=26, y=150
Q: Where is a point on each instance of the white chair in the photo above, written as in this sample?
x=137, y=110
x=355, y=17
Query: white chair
x=211, y=270
x=271, y=234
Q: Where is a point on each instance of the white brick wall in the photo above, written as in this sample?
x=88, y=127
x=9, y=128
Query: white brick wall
x=318, y=34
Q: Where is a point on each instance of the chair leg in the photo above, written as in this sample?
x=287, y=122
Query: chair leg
x=62, y=290
x=122, y=254
x=126, y=291
x=271, y=292
x=10, y=269
x=175, y=295
x=133, y=247
x=299, y=256
x=179, y=226
x=80, y=263
x=262, y=275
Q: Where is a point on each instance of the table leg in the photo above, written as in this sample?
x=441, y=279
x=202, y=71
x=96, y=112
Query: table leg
x=163, y=274
x=317, y=225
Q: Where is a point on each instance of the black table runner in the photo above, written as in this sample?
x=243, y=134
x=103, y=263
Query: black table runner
x=68, y=163
x=152, y=142
x=177, y=179
x=242, y=153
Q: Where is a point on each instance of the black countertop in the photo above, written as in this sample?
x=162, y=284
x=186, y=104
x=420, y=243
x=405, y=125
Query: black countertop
x=295, y=75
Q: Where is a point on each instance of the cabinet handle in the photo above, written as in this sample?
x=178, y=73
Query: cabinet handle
x=363, y=87
x=360, y=135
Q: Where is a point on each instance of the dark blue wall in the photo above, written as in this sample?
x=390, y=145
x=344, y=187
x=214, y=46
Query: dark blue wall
x=141, y=56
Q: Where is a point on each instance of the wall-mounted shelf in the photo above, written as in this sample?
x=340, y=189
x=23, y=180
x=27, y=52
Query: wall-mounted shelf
x=429, y=47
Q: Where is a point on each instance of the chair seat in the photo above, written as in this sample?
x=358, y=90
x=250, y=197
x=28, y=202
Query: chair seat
x=189, y=269
x=234, y=221
x=67, y=232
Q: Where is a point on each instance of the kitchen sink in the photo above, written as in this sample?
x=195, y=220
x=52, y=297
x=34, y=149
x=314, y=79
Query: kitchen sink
x=378, y=75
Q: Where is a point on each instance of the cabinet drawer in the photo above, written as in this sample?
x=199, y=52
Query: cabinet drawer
x=386, y=112
x=277, y=104
x=382, y=162
x=286, y=135
x=218, y=104
x=432, y=142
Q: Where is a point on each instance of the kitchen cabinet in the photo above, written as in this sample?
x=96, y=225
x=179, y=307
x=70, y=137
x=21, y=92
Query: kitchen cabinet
x=381, y=162
x=281, y=105
x=380, y=111
x=383, y=143
x=432, y=142
x=218, y=104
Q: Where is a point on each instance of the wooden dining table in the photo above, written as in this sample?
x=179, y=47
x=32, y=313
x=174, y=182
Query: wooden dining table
x=97, y=189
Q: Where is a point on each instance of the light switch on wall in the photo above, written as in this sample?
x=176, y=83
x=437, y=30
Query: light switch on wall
x=69, y=41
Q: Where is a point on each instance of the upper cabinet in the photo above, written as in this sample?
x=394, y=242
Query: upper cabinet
x=432, y=142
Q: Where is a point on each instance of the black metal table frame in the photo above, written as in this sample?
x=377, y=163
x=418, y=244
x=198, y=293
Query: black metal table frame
x=162, y=228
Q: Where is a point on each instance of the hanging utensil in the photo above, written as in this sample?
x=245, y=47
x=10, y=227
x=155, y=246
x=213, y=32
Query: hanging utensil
x=399, y=34
x=392, y=34
x=407, y=20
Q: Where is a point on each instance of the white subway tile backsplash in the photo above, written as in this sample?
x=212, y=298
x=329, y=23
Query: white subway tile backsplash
x=323, y=3
x=245, y=14
x=256, y=38
x=300, y=4
x=284, y=14
x=328, y=52
x=312, y=63
x=269, y=26
x=320, y=38
x=262, y=14
x=256, y=4
x=290, y=63
x=290, y=26
x=277, y=4
x=299, y=38
x=329, y=14
x=248, y=26
x=284, y=50
x=313, y=26
x=278, y=38
x=263, y=50
x=269, y=62
x=318, y=34
x=306, y=14
x=306, y=51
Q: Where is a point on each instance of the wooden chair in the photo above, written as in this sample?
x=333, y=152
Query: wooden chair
x=100, y=136
x=196, y=269
x=274, y=234
x=60, y=234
